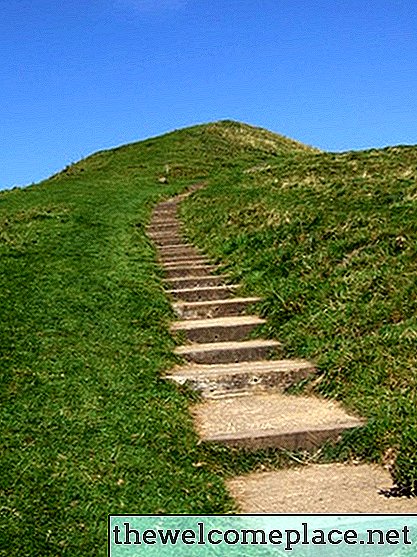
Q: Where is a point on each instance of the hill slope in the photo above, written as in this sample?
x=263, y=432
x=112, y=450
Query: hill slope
x=330, y=242
x=88, y=426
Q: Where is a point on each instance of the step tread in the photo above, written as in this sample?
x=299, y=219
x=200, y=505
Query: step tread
x=162, y=243
x=162, y=225
x=163, y=222
x=202, y=288
x=177, y=250
x=155, y=236
x=214, y=308
x=155, y=231
x=325, y=488
x=242, y=378
x=188, y=251
x=264, y=415
x=185, y=325
x=262, y=366
x=193, y=281
x=172, y=247
x=195, y=277
x=200, y=292
x=233, y=345
x=209, y=303
x=195, y=267
x=173, y=264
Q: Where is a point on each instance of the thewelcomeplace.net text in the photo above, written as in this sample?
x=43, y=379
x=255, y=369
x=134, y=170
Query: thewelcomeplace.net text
x=286, y=538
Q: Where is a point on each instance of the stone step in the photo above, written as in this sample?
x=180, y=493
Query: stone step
x=184, y=251
x=228, y=352
x=168, y=257
x=163, y=212
x=168, y=214
x=181, y=249
x=171, y=213
x=172, y=240
x=161, y=207
x=220, y=329
x=214, y=308
x=194, y=282
x=320, y=488
x=182, y=196
x=203, y=293
x=163, y=221
x=183, y=261
x=191, y=270
x=157, y=236
x=243, y=378
x=163, y=226
x=272, y=421
x=169, y=204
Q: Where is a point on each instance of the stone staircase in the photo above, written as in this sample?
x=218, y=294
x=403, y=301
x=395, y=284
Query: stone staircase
x=242, y=380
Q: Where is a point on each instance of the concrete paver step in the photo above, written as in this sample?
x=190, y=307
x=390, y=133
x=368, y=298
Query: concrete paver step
x=169, y=203
x=164, y=213
x=190, y=270
x=203, y=293
x=194, y=282
x=272, y=420
x=177, y=250
x=161, y=220
x=161, y=235
x=219, y=329
x=163, y=226
x=157, y=236
x=320, y=488
x=243, y=378
x=162, y=208
x=171, y=240
x=174, y=263
x=181, y=244
x=228, y=352
x=214, y=308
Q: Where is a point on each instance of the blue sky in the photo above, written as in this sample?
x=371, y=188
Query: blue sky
x=83, y=75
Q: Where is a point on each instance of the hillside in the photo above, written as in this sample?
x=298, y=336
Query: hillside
x=87, y=425
x=329, y=240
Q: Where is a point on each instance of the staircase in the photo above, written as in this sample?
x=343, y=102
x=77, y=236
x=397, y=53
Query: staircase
x=242, y=380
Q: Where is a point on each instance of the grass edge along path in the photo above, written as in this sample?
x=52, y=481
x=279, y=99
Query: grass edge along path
x=329, y=241
x=88, y=425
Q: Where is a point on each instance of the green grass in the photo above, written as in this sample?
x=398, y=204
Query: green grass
x=88, y=425
x=330, y=242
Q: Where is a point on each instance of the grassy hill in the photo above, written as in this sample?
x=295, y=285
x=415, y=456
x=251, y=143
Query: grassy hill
x=88, y=427
x=330, y=242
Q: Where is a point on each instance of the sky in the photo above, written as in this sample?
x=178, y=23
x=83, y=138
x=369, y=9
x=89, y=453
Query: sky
x=79, y=76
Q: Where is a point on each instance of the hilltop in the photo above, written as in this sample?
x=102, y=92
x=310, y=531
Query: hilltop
x=328, y=240
x=188, y=154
